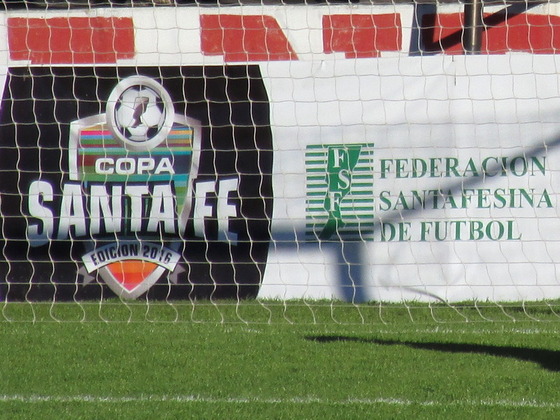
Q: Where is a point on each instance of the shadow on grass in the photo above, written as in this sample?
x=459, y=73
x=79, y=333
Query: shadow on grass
x=548, y=359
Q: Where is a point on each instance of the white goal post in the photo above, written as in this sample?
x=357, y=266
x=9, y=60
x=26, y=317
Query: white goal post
x=358, y=152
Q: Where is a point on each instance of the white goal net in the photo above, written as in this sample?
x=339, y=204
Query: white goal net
x=180, y=156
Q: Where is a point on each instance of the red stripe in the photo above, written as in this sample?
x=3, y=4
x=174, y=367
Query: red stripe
x=536, y=34
x=244, y=38
x=76, y=40
x=362, y=36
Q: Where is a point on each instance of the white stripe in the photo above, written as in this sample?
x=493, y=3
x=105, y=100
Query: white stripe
x=474, y=331
x=301, y=400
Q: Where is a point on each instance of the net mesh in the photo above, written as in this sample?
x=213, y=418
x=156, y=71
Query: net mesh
x=279, y=163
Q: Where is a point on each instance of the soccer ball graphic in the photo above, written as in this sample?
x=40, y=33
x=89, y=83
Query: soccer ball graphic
x=140, y=113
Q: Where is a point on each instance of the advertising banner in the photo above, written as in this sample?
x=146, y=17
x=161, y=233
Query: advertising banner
x=441, y=184
x=149, y=180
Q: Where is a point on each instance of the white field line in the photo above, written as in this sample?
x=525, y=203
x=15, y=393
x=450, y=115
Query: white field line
x=257, y=400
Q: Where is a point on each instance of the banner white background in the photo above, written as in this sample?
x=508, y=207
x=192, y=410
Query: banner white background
x=468, y=108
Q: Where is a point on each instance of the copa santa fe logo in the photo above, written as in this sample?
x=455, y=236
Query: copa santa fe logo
x=136, y=164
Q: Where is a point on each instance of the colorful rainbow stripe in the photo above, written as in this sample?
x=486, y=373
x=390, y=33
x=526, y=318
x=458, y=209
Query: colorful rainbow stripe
x=98, y=142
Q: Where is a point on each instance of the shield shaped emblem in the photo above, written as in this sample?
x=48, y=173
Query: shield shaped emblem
x=136, y=164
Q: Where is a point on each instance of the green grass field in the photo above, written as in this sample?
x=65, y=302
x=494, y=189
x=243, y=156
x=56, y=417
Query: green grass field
x=275, y=360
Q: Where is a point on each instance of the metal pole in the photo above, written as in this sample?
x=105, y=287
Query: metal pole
x=472, y=30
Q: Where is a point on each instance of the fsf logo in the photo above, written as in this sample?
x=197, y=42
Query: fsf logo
x=339, y=191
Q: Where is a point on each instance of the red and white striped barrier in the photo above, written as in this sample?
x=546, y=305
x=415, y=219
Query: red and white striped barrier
x=211, y=35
